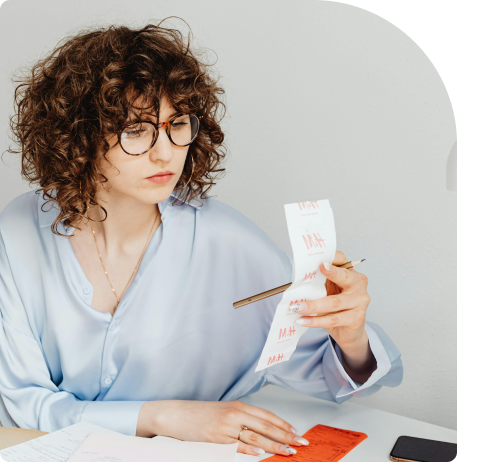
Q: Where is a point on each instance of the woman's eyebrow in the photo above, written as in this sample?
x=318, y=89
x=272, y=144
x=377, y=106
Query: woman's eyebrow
x=175, y=114
x=147, y=116
x=136, y=117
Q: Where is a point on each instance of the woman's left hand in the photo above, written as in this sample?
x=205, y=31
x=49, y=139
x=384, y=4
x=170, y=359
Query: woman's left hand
x=342, y=312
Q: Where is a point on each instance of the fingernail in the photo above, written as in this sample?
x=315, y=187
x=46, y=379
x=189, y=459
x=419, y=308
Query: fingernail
x=294, y=430
x=327, y=266
x=298, y=307
x=288, y=449
x=303, y=321
x=300, y=440
x=258, y=450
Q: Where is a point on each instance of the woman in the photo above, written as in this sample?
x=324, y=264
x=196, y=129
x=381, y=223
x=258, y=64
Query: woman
x=117, y=280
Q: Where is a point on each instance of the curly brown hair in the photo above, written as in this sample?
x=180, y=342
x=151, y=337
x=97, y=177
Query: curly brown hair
x=75, y=97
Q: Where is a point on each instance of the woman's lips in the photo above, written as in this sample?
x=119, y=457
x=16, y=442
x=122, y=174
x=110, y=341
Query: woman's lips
x=160, y=178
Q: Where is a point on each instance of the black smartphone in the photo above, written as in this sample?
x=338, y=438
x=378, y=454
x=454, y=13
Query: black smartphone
x=410, y=449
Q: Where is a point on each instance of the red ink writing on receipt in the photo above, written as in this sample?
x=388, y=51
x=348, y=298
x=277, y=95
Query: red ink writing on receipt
x=287, y=332
x=309, y=276
x=313, y=241
x=275, y=359
x=308, y=205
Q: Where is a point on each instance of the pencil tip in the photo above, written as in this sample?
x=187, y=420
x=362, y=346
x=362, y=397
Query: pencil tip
x=363, y=259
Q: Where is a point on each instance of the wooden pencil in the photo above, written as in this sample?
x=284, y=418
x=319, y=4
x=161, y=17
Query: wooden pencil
x=277, y=290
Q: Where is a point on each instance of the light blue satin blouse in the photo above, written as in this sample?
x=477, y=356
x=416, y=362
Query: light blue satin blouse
x=175, y=334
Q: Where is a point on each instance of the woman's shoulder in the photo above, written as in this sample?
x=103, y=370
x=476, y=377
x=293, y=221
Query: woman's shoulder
x=215, y=210
x=225, y=220
x=228, y=228
x=20, y=214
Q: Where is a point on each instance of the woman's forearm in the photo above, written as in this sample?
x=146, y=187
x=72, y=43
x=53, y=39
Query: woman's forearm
x=219, y=422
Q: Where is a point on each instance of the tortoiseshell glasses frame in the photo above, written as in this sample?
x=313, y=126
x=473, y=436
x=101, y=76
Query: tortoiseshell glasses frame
x=156, y=132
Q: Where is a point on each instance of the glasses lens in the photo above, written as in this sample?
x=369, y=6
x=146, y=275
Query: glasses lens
x=137, y=138
x=184, y=129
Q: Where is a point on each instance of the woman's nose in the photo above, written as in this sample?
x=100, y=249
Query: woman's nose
x=163, y=148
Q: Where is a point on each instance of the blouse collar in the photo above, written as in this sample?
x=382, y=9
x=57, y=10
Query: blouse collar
x=47, y=217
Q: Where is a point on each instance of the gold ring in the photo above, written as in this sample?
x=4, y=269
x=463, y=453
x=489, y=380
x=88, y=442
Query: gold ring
x=243, y=428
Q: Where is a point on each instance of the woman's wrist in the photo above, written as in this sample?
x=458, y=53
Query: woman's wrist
x=356, y=351
x=160, y=418
x=358, y=359
x=147, y=422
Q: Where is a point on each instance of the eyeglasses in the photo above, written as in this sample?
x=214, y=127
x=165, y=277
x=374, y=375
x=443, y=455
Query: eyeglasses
x=139, y=137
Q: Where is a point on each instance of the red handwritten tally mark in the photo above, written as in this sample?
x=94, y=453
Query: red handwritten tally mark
x=309, y=276
x=308, y=205
x=313, y=241
x=274, y=359
x=325, y=444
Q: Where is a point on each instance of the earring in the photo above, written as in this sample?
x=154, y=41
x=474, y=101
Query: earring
x=192, y=171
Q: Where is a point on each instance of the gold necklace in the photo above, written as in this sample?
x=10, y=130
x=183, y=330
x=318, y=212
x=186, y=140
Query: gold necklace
x=136, y=267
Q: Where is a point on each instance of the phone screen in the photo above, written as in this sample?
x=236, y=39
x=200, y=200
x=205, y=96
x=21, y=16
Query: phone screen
x=422, y=450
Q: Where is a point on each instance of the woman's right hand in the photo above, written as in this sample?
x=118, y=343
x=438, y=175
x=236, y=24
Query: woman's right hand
x=219, y=422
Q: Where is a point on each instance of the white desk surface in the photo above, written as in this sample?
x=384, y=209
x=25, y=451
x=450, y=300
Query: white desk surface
x=382, y=428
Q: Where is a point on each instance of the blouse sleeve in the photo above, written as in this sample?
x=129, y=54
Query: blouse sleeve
x=30, y=396
x=315, y=368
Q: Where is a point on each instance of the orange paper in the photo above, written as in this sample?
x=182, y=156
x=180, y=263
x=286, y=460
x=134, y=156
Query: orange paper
x=325, y=444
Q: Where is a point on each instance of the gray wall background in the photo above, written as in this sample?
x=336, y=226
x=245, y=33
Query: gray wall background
x=325, y=101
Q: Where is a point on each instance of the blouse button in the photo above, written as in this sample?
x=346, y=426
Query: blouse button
x=108, y=381
x=86, y=290
x=112, y=327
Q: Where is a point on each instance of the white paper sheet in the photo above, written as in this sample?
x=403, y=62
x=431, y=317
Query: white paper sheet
x=98, y=447
x=311, y=228
x=54, y=447
x=239, y=457
x=245, y=457
x=60, y=445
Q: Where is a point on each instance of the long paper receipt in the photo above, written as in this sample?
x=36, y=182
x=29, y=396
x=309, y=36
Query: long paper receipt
x=325, y=444
x=311, y=228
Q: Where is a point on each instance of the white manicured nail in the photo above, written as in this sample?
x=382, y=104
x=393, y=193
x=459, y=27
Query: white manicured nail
x=258, y=451
x=294, y=430
x=327, y=266
x=300, y=440
x=303, y=321
x=288, y=449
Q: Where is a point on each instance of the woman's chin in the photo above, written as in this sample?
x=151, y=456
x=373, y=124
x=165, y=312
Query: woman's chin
x=159, y=194
x=150, y=195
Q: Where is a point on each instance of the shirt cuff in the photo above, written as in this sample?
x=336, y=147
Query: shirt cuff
x=119, y=416
x=381, y=356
